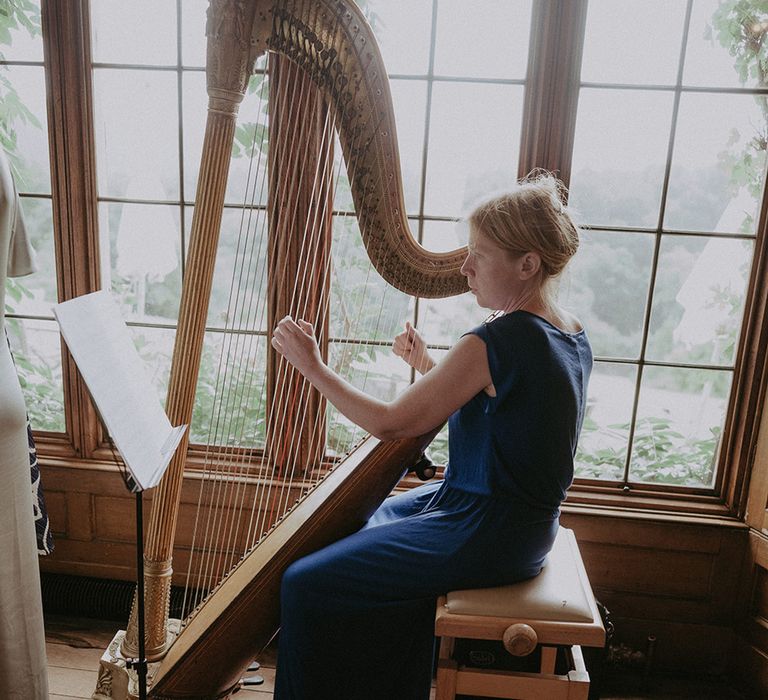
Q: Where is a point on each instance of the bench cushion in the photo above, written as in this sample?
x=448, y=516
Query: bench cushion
x=558, y=593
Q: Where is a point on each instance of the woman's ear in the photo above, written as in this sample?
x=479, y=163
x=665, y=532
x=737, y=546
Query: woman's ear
x=530, y=264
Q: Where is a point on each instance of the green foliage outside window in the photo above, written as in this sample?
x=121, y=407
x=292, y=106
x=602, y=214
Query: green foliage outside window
x=15, y=15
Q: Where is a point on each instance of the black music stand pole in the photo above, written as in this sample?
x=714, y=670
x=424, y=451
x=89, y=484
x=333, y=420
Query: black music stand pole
x=140, y=663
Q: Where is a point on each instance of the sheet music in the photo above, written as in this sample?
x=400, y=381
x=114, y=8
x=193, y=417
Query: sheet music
x=116, y=376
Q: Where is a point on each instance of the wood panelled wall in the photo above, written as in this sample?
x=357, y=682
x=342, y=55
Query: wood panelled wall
x=93, y=519
x=751, y=657
x=673, y=578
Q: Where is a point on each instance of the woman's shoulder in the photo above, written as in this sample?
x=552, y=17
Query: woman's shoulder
x=560, y=320
x=509, y=327
x=569, y=322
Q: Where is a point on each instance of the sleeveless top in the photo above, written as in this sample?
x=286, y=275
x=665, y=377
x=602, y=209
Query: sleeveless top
x=520, y=444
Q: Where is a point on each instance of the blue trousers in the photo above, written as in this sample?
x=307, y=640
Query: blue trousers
x=357, y=617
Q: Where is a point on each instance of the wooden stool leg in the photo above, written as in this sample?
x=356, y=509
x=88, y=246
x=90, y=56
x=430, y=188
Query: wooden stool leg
x=548, y=658
x=578, y=688
x=446, y=671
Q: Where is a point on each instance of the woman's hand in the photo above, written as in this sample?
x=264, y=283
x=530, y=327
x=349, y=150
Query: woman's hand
x=411, y=347
x=296, y=342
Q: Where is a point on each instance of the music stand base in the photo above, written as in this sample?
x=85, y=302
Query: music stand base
x=118, y=682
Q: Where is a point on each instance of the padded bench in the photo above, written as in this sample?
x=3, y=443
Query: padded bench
x=542, y=623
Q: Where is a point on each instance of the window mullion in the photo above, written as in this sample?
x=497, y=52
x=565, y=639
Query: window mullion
x=66, y=41
x=748, y=391
x=552, y=86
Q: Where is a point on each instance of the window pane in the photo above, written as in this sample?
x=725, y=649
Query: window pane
x=402, y=29
x=195, y=109
x=137, y=138
x=24, y=37
x=36, y=348
x=24, y=133
x=410, y=102
x=193, y=40
x=717, y=166
x=35, y=294
x=699, y=300
x=409, y=98
x=444, y=236
x=136, y=32
x=619, y=155
x=363, y=305
x=438, y=448
x=473, y=151
x=155, y=347
x=443, y=321
x=247, y=170
x=679, y=421
x=500, y=27
x=230, y=403
x=373, y=368
x=616, y=45
x=140, y=250
x=602, y=451
x=724, y=43
x=241, y=261
x=606, y=286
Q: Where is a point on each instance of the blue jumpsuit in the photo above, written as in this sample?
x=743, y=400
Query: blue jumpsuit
x=357, y=617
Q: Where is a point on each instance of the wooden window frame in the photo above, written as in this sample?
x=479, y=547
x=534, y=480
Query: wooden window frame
x=548, y=127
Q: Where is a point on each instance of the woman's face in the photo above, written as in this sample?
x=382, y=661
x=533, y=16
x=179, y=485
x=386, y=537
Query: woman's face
x=498, y=280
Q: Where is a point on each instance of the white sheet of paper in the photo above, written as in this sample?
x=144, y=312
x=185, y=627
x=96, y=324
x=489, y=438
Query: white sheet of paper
x=116, y=376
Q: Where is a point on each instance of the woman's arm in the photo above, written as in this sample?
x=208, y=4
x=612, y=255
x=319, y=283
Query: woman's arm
x=421, y=407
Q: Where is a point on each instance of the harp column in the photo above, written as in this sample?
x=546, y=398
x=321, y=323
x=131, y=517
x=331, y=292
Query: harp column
x=229, y=28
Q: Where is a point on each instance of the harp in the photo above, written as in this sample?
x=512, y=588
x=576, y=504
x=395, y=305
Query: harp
x=327, y=81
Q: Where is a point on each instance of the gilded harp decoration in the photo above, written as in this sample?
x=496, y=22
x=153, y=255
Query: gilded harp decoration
x=326, y=81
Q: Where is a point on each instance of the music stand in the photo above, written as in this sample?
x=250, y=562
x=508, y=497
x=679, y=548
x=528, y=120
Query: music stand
x=130, y=409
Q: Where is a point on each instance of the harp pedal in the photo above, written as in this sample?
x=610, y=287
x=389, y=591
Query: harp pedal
x=249, y=681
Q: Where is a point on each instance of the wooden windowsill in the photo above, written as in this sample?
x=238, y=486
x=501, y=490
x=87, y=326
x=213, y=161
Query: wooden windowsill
x=602, y=500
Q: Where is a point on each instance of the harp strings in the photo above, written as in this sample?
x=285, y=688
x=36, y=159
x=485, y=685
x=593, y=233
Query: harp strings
x=299, y=302
x=213, y=480
x=222, y=479
x=236, y=464
x=279, y=492
x=289, y=419
x=355, y=329
x=224, y=483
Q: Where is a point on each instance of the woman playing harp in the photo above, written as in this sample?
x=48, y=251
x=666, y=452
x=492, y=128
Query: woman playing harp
x=357, y=616
x=327, y=78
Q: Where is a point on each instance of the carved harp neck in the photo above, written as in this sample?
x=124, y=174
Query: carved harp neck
x=334, y=45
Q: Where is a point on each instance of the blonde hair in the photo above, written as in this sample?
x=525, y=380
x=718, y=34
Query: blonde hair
x=532, y=217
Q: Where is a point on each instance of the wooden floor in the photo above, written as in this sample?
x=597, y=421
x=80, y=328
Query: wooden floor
x=75, y=646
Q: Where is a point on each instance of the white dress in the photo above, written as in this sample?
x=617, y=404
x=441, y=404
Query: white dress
x=23, y=667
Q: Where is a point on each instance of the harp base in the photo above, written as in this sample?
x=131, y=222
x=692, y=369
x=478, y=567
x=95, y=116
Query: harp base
x=116, y=679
